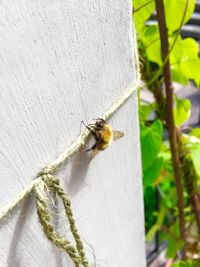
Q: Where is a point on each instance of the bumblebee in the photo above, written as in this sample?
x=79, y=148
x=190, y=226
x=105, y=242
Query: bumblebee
x=103, y=135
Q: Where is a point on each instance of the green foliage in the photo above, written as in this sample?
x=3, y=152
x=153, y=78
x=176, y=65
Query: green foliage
x=143, y=14
x=151, y=42
x=145, y=110
x=151, y=140
x=173, y=241
x=151, y=173
x=158, y=223
x=195, y=152
x=181, y=111
x=156, y=155
x=195, y=132
x=150, y=200
x=150, y=235
x=185, y=61
x=174, y=11
x=189, y=263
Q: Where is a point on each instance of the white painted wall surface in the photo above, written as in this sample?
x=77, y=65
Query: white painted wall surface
x=62, y=62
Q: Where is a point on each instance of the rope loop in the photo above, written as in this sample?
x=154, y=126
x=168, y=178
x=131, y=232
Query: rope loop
x=51, y=183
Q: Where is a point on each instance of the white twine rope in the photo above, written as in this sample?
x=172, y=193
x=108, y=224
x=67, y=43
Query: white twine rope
x=69, y=151
x=75, y=146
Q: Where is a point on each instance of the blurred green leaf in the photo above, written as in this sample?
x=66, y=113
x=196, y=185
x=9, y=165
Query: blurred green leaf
x=195, y=154
x=195, y=132
x=179, y=264
x=190, y=48
x=185, y=61
x=151, y=233
x=153, y=52
x=150, y=34
x=156, y=155
x=151, y=140
x=174, y=11
x=182, y=111
x=161, y=215
x=190, y=68
x=183, y=49
x=152, y=173
x=150, y=205
x=143, y=14
x=145, y=110
x=189, y=263
x=173, y=241
x=171, y=247
x=151, y=41
x=179, y=77
x=178, y=49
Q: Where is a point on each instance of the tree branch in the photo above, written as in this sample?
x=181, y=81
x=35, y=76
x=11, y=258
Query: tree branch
x=170, y=118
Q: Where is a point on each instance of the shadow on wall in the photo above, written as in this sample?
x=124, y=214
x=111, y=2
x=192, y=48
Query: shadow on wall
x=80, y=165
x=25, y=214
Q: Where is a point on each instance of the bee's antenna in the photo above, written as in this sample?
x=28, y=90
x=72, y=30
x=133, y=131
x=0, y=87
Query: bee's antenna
x=82, y=122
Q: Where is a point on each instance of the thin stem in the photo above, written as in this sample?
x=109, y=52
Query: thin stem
x=172, y=46
x=177, y=32
x=170, y=118
x=140, y=7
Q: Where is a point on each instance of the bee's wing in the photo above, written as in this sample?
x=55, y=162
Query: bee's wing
x=117, y=135
x=94, y=152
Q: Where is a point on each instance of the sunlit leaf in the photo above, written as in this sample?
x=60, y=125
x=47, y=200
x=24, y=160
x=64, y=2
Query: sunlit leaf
x=151, y=41
x=179, y=77
x=190, y=68
x=153, y=53
x=185, y=61
x=188, y=263
x=151, y=33
x=177, y=52
x=182, y=111
x=142, y=14
x=195, y=132
x=195, y=154
x=190, y=48
x=174, y=11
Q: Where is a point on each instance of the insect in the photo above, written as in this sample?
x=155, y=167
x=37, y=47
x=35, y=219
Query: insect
x=103, y=135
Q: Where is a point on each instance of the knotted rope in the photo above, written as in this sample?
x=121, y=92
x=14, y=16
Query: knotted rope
x=52, y=183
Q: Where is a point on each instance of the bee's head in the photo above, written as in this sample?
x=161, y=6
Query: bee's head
x=99, y=123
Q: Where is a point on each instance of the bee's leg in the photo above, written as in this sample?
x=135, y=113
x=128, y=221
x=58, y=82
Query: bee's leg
x=96, y=137
x=91, y=148
x=88, y=126
x=93, y=132
x=83, y=123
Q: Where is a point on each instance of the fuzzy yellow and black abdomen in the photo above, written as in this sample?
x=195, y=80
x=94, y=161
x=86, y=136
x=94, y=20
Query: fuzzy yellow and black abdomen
x=106, y=134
